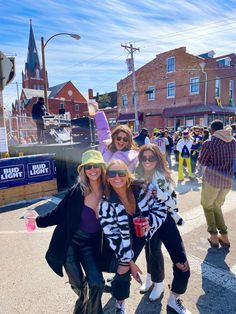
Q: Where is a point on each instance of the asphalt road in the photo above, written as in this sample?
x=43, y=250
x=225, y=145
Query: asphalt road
x=28, y=286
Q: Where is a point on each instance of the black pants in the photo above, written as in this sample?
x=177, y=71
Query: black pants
x=82, y=257
x=169, y=235
x=121, y=283
x=40, y=130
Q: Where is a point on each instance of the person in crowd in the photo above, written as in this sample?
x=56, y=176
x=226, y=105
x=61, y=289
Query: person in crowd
x=38, y=111
x=196, y=146
x=184, y=148
x=176, y=137
x=142, y=138
x=76, y=241
x=124, y=200
x=217, y=155
x=169, y=147
x=161, y=141
x=206, y=135
x=117, y=144
x=153, y=168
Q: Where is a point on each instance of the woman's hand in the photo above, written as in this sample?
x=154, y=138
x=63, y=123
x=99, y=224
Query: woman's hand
x=135, y=271
x=32, y=214
x=123, y=269
x=183, y=266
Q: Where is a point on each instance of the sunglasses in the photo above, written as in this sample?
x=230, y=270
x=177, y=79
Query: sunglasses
x=150, y=159
x=114, y=173
x=120, y=138
x=95, y=166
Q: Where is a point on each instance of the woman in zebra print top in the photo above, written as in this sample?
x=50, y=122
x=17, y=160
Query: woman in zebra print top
x=125, y=200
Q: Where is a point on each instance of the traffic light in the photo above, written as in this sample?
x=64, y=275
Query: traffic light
x=7, y=70
x=13, y=70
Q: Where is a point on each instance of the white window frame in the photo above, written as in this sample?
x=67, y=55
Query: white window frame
x=194, y=86
x=231, y=89
x=151, y=96
x=170, y=66
x=170, y=88
x=76, y=107
x=217, y=87
x=124, y=100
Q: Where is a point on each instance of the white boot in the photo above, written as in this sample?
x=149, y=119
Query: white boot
x=146, y=286
x=157, y=291
x=177, y=304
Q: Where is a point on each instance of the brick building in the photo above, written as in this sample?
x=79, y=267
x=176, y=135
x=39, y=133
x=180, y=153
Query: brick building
x=180, y=89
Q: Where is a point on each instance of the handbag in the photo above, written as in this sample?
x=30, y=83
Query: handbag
x=108, y=260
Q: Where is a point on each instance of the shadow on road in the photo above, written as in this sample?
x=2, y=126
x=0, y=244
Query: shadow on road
x=212, y=301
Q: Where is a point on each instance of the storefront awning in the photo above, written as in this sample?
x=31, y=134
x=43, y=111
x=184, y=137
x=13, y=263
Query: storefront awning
x=125, y=117
x=197, y=110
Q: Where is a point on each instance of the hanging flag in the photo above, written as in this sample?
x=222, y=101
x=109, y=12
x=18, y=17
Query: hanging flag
x=218, y=101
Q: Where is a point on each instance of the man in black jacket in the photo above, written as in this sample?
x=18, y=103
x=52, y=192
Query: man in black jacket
x=38, y=111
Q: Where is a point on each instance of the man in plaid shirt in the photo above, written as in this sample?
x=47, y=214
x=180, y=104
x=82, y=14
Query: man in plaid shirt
x=217, y=155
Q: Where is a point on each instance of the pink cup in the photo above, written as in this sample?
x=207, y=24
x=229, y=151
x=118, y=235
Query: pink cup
x=30, y=224
x=140, y=225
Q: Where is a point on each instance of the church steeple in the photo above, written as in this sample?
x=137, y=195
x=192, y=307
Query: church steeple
x=33, y=76
x=32, y=57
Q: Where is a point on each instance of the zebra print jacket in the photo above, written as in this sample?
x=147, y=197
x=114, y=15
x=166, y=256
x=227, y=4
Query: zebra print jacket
x=115, y=221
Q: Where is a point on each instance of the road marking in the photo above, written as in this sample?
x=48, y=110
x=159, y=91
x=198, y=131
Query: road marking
x=25, y=231
x=221, y=277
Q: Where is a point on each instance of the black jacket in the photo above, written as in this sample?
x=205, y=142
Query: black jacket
x=38, y=111
x=66, y=216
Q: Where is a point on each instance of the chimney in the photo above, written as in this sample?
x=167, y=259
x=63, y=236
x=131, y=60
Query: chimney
x=90, y=93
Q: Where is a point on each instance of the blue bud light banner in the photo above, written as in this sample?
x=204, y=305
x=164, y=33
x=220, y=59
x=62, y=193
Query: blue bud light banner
x=26, y=170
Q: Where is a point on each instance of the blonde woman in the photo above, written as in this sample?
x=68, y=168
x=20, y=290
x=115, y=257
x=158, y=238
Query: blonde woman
x=76, y=241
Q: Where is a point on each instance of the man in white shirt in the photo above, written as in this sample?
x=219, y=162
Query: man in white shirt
x=161, y=141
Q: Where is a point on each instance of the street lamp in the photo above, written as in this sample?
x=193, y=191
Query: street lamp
x=43, y=45
x=202, y=66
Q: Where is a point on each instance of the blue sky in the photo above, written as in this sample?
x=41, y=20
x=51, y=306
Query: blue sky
x=97, y=60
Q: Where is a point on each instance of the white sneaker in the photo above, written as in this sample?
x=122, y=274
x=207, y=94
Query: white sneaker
x=157, y=291
x=120, y=308
x=147, y=285
x=177, y=305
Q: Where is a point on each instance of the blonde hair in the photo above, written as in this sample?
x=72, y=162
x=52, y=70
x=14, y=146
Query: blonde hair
x=83, y=180
x=123, y=166
x=161, y=164
x=122, y=128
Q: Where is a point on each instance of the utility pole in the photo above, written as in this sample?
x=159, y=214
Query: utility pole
x=131, y=50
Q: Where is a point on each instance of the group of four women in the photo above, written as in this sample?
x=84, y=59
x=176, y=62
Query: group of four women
x=100, y=209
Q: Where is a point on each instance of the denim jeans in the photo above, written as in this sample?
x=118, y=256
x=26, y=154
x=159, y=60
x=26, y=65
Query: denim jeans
x=212, y=199
x=82, y=255
x=169, y=235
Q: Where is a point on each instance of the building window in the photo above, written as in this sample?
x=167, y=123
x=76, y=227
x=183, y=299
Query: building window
x=37, y=74
x=61, y=106
x=133, y=99
x=171, y=90
x=151, y=93
x=194, y=85
x=124, y=100
x=217, y=88
x=170, y=65
x=231, y=91
x=76, y=107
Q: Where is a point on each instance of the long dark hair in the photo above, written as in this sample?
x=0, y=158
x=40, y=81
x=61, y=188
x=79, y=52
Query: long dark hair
x=161, y=165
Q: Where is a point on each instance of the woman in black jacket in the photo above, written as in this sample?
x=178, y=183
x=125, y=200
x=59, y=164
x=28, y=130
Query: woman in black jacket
x=76, y=241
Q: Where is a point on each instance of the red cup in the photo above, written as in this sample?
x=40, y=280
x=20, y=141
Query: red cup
x=140, y=225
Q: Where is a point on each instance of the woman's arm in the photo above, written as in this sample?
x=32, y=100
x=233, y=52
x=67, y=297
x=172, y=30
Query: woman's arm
x=103, y=130
x=115, y=225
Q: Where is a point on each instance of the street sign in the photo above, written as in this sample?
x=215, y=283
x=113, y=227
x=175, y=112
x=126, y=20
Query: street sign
x=7, y=70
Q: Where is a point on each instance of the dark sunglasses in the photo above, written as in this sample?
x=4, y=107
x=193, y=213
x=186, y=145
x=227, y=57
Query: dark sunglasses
x=95, y=166
x=150, y=159
x=114, y=173
x=120, y=138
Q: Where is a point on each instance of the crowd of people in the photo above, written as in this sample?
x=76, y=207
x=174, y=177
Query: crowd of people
x=128, y=178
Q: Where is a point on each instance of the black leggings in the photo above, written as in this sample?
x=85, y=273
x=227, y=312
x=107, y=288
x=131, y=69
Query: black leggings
x=121, y=283
x=169, y=235
x=83, y=256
